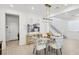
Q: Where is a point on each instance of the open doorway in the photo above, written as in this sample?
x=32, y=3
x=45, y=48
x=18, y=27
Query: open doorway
x=12, y=29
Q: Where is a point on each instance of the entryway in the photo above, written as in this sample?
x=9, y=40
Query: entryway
x=12, y=28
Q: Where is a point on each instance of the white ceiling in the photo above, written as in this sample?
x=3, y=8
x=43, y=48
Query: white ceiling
x=69, y=15
x=40, y=9
x=59, y=7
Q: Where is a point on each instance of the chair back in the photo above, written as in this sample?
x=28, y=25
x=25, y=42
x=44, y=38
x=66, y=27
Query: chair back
x=57, y=42
x=41, y=43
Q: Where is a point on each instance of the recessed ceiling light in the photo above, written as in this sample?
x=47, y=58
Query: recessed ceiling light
x=33, y=8
x=11, y=5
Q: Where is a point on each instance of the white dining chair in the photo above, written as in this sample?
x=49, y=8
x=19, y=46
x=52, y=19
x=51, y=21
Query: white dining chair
x=39, y=45
x=57, y=44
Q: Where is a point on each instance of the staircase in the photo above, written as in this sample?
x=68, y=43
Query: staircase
x=55, y=31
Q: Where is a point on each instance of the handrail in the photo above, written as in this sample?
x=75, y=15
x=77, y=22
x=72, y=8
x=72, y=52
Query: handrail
x=57, y=30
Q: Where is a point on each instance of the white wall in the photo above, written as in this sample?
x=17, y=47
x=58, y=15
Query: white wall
x=28, y=19
x=72, y=34
x=2, y=29
x=44, y=26
x=24, y=19
x=62, y=25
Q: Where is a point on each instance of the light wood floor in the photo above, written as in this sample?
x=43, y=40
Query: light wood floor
x=13, y=48
x=70, y=47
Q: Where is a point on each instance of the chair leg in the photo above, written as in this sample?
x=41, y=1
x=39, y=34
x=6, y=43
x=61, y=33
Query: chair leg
x=61, y=51
x=45, y=51
x=33, y=50
x=36, y=52
x=53, y=50
x=56, y=51
x=48, y=48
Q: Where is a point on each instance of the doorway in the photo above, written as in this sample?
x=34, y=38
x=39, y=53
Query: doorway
x=12, y=28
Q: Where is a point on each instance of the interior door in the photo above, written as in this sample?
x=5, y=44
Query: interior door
x=12, y=28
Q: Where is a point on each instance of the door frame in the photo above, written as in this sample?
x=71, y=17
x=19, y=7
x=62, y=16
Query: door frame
x=6, y=23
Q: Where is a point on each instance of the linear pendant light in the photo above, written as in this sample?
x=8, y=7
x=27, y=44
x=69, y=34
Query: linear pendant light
x=47, y=12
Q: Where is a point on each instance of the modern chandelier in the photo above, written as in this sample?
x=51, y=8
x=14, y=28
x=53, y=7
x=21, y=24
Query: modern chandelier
x=48, y=7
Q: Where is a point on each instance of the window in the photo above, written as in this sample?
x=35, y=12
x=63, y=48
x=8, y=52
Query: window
x=73, y=25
